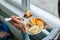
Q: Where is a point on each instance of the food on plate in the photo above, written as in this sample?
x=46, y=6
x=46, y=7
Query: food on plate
x=34, y=26
x=36, y=21
x=39, y=23
x=34, y=29
x=33, y=21
x=27, y=14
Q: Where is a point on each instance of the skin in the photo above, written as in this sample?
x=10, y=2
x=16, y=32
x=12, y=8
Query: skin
x=3, y=34
x=17, y=22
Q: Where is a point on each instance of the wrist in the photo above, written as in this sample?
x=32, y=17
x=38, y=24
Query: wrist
x=23, y=29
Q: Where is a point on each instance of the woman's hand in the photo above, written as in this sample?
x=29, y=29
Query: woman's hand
x=46, y=25
x=3, y=34
x=17, y=22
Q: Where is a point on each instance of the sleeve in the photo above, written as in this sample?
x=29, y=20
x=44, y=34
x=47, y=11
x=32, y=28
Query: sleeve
x=4, y=27
x=25, y=36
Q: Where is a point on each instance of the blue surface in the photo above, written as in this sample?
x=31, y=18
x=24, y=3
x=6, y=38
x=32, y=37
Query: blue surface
x=4, y=27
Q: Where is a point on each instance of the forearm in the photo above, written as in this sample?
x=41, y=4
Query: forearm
x=51, y=27
x=25, y=36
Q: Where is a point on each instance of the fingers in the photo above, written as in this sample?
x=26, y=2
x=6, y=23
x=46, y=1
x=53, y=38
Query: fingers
x=20, y=19
x=7, y=34
x=2, y=34
x=15, y=24
x=17, y=20
x=19, y=26
x=18, y=23
x=46, y=25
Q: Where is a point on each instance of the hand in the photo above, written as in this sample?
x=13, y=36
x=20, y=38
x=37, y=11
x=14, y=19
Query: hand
x=46, y=25
x=3, y=34
x=17, y=22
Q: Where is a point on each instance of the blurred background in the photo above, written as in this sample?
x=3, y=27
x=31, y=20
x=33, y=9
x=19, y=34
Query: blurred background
x=48, y=10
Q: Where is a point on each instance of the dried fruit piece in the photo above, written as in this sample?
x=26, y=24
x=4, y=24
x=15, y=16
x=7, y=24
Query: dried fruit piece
x=27, y=14
x=33, y=21
x=39, y=23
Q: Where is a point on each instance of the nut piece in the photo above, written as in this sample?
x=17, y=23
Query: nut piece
x=27, y=14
